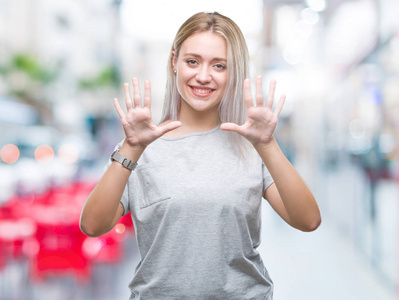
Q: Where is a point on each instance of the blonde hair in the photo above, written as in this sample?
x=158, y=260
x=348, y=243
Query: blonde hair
x=232, y=106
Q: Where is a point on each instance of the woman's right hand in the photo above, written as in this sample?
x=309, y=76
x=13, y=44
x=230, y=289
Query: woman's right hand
x=137, y=123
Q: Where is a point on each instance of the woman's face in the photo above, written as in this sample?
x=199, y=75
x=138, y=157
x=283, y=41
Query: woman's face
x=202, y=71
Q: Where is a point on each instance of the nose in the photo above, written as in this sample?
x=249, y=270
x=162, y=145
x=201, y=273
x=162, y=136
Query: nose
x=203, y=76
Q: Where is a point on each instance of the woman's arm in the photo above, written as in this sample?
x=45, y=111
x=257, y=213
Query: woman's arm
x=102, y=208
x=289, y=196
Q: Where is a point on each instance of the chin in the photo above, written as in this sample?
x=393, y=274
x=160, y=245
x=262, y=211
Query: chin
x=204, y=108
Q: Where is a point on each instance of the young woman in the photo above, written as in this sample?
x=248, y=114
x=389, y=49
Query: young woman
x=195, y=195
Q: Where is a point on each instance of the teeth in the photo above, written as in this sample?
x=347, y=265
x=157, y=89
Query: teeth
x=202, y=91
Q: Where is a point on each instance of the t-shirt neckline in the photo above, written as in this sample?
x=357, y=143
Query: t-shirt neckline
x=207, y=132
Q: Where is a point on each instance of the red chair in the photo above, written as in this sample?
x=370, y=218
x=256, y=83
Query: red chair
x=60, y=245
x=57, y=246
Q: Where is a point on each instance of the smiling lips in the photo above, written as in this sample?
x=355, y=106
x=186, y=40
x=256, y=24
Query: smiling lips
x=201, y=91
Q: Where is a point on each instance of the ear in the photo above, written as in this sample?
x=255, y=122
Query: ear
x=173, y=57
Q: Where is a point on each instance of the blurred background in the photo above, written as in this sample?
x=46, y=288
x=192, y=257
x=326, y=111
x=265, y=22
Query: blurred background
x=62, y=63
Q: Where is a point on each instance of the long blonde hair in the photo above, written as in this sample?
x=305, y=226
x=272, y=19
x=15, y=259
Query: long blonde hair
x=232, y=106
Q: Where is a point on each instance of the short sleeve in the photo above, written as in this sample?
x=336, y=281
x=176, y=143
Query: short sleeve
x=125, y=196
x=267, y=178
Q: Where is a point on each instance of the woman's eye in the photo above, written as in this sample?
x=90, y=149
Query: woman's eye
x=191, y=62
x=220, y=66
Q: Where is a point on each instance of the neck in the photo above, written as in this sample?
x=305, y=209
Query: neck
x=197, y=121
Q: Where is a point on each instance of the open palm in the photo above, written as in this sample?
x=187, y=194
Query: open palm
x=137, y=123
x=261, y=121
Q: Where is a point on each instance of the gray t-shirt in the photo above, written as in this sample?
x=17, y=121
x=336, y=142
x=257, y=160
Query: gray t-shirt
x=196, y=209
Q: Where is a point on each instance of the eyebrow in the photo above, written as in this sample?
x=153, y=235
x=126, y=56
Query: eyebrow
x=199, y=56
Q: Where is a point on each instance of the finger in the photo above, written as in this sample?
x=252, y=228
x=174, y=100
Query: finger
x=170, y=126
x=147, y=94
x=136, y=92
x=119, y=109
x=128, y=100
x=280, y=105
x=259, y=92
x=270, y=95
x=232, y=127
x=247, y=93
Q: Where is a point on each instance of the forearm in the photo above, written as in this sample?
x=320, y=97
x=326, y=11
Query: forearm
x=298, y=200
x=100, y=209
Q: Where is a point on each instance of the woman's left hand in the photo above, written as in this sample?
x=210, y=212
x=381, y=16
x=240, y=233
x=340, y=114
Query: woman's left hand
x=261, y=120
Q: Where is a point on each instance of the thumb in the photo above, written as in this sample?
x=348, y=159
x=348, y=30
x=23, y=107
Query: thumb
x=232, y=127
x=169, y=127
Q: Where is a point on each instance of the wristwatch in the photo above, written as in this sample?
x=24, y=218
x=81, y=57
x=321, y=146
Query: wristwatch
x=127, y=163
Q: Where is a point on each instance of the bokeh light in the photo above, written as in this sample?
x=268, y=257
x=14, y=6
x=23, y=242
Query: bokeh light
x=92, y=246
x=44, y=154
x=120, y=228
x=68, y=153
x=9, y=153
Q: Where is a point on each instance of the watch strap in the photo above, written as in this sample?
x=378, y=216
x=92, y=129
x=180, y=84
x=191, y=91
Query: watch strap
x=127, y=163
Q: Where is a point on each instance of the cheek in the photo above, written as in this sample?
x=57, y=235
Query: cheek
x=222, y=81
x=182, y=86
x=184, y=75
x=181, y=83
